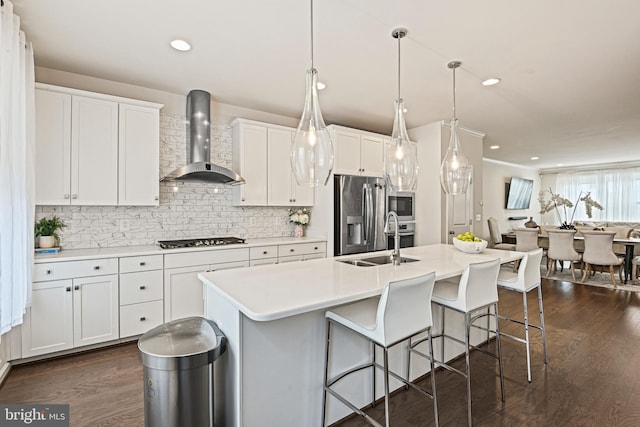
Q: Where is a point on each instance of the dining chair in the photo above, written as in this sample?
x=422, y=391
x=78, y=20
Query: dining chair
x=526, y=239
x=598, y=250
x=401, y=312
x=635, y=264
x=525, y=280
x=475, y=291
x=561, y=249
x=495, y=238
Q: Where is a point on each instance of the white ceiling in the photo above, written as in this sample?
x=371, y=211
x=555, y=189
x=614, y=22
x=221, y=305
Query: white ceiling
x=570, y=70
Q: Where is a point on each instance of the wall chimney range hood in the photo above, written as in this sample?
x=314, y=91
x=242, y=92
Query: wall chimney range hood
x=199, y=168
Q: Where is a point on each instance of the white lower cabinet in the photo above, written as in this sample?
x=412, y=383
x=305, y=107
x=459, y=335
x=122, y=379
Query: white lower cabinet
x=95, y=310
x=71, y=312
x=183, y=291
x=141, y=294
x=87, y=302
x=48, y=323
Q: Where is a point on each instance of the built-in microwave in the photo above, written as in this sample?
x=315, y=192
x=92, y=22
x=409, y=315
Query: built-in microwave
x=403, y=204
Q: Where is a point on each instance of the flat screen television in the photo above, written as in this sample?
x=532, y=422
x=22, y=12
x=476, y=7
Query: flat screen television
x=517, y=194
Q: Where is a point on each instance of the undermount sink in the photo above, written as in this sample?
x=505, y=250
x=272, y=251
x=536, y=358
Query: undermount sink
x=377, y=260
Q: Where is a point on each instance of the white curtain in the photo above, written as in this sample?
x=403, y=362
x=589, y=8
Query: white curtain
x=17, y=159
x=617, y=190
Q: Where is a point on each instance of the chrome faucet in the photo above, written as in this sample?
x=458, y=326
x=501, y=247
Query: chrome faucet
x=395, y=254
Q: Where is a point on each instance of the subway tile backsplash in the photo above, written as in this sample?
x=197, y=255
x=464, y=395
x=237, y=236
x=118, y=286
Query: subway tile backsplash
x=186, y=210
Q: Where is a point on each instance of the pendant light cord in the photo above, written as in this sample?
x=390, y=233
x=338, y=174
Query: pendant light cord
x=312, y=34
x=454, y=93
x=399, y=68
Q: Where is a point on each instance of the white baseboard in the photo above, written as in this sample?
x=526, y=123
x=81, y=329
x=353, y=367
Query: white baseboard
x=5, y=368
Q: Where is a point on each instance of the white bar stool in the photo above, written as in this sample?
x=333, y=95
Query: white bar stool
x=476, y=290
x=402, y=311
x=526, y=279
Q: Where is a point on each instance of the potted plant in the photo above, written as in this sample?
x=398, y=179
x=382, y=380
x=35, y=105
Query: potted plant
x=47, y=229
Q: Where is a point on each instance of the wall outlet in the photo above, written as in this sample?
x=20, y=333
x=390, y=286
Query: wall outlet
x=124, y=225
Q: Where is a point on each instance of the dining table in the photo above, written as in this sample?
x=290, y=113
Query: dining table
x=629, y=244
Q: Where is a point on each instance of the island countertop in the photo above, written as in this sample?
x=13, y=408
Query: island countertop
x=271, y=292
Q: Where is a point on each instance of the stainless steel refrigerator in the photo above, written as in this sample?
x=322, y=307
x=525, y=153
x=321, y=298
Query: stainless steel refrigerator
x=359, y=210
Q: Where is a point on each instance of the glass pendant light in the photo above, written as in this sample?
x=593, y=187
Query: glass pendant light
x=400, y=154
x=455, y=171
x=312, y=149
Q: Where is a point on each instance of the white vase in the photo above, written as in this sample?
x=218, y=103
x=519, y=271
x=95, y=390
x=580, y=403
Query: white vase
x=298, y=231
x=47, y=241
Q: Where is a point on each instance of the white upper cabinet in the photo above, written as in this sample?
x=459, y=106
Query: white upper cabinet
x=250, y=161
x=357, y=152
x=282, y=185
x=138, y=155
x=261, y=156
x=94, y=149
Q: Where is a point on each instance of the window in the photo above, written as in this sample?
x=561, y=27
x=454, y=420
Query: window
x=617, y=190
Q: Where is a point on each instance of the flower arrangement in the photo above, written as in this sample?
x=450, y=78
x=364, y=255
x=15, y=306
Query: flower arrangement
x=299, y=216
x=556, y=201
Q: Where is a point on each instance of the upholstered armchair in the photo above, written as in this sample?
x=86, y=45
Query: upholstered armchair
x=598, y=250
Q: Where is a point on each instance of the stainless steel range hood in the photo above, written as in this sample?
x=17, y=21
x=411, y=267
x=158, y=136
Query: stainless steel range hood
x=198, y=167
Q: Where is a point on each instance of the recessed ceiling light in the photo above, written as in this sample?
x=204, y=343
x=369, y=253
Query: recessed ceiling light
x=535, y=158
x=560, y=164
x=181, y=45
x=494, y=147
x=491, y=81
x=321, y=85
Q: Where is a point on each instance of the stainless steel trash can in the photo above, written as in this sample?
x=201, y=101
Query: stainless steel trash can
x=178, y=372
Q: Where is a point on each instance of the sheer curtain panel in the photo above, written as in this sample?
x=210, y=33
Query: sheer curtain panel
x=617, y=190
x=17, y=159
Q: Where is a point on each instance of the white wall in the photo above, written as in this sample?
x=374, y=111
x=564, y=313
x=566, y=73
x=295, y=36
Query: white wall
x=428, y=192
x=495, y=175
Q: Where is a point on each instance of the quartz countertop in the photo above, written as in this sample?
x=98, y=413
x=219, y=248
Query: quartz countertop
x=124, y=251
x=271, y=292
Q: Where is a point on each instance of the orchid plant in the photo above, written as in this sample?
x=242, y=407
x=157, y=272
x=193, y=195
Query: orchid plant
x=556, y=201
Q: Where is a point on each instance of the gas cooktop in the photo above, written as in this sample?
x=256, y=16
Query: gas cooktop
x=196, y=243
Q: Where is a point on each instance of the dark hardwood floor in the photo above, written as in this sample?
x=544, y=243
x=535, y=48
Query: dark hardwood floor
x=592, y=379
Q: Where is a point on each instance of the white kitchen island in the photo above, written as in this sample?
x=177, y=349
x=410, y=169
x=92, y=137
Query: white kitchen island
x=273, y=318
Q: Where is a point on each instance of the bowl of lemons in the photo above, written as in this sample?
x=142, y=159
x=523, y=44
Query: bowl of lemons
x=469, y=243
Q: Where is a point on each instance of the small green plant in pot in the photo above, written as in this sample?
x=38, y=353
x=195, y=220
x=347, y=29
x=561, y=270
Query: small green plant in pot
x=47, y=230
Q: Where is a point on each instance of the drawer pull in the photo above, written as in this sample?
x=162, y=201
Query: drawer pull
x=68, y=289
x=291, y=250
x=96, y=267
x=315, y=248
x=142, y=263
x=76, y=287
x=142, y=319
x=264, y=252
x=143, y=287
x=48, y=271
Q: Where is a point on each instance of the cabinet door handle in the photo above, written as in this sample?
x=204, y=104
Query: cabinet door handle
x=142, y=319
x=48, y=271
x=76, y=287
x=142, y=263
x=74, y=196
x=143, y=287
x=157, y=198
x=68, y=289
x=96, y=267
x=66, y=196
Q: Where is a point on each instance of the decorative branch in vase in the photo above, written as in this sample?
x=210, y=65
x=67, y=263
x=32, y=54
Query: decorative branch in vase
x=556, y=201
